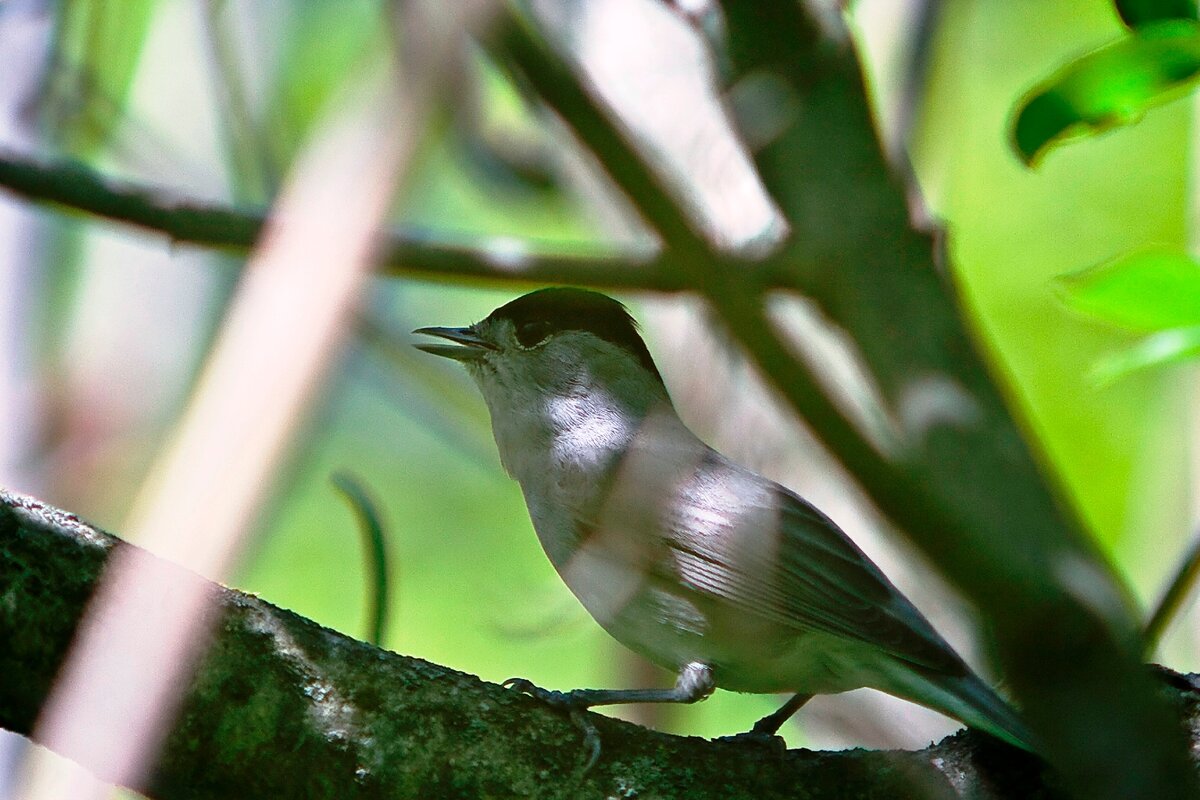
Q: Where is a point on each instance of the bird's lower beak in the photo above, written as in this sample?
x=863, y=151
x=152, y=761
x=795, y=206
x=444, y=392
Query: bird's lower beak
x=469, y=346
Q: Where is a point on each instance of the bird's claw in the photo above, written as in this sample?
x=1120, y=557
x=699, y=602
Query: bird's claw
x=591, y=736
x=547, y=696
x=758, y=738
x=576, y=710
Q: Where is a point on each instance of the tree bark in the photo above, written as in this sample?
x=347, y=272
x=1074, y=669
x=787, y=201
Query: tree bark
x=282, y=707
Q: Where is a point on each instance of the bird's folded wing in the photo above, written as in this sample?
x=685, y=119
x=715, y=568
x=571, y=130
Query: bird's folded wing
x=791, y=565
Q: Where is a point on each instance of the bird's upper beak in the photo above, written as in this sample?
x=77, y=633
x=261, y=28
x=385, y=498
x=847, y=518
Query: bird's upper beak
x=469, y=347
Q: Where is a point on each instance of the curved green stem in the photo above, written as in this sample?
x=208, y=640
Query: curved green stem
x=377, y=559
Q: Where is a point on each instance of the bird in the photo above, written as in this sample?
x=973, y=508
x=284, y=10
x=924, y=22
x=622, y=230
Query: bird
x=706, y=568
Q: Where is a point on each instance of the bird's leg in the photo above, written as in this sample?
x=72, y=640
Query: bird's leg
x=771, y=723
x=695, y=682
x=765, y=729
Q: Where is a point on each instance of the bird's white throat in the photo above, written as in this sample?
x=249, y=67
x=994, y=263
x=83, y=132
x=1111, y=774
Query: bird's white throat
x=563, y=445
x=562, y=449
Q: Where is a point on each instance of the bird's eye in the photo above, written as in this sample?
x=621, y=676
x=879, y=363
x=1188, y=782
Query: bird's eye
x=533, y=333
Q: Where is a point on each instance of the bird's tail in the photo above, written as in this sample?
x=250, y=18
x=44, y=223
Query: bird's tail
x=966, y=698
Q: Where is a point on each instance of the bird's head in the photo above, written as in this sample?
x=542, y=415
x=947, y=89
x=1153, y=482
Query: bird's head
x=555, y=343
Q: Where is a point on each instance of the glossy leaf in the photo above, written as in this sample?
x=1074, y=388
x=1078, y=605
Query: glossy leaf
x=1109, y=87
x=1143, y=12
x=1157, y=350
x=1149, y=290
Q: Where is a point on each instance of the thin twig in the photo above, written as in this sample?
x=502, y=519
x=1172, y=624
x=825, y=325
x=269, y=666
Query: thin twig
x=1174, y=597
x=411, y=253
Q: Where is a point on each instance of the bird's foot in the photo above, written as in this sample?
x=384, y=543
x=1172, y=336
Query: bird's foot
x=548, y=696
x=767, y=740
x=575, y=707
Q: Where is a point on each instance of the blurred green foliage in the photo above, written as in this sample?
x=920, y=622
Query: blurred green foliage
x=1141, y=12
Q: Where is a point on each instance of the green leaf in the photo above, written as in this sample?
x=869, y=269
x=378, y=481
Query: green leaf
x=1157, y=350
x=1148, y=290
x=1135, y=13
x=1111, y=86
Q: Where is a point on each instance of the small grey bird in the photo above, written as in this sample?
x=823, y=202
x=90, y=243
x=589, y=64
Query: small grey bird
x=702, y=566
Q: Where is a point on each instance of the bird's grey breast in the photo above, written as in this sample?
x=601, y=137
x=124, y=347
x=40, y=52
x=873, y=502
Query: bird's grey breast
x=561, y=450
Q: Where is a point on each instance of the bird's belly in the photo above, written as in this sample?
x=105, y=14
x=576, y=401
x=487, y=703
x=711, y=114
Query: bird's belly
x=746, y=653
x=639, y=598
x=809, y=662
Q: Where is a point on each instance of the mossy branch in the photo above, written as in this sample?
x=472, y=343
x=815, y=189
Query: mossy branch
x=282, y=707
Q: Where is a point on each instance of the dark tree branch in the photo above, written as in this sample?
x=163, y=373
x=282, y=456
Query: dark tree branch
x=72, y=186
x=281, y=707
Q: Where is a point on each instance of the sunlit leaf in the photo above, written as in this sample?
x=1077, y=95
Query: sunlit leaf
x=1156, y=350
x=1112, y=86
x=1143, y=12
x=1148, y=290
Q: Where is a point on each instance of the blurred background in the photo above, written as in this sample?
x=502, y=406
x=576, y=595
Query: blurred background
x=103, y=327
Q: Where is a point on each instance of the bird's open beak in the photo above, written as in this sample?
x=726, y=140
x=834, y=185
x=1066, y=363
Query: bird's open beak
x=469, y=345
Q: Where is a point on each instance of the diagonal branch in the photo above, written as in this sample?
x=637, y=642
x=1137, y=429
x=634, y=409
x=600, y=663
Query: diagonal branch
x=281, y=707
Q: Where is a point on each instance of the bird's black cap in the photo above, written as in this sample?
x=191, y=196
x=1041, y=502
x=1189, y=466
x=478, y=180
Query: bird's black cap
x=548, y=311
